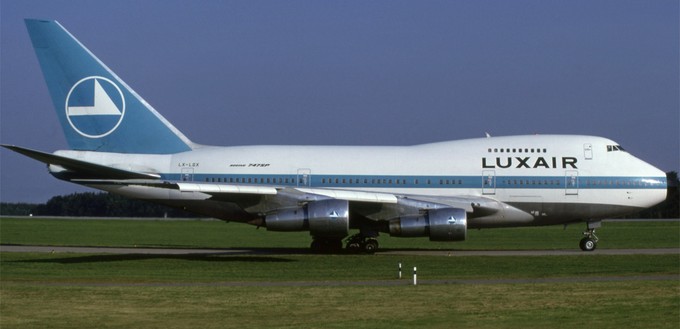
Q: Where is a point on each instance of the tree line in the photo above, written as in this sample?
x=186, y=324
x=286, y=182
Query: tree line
x=670, y=208
x=97, y=204
x=92, y=204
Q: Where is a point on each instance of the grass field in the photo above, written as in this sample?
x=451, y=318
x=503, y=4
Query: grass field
x=64, y=290
x=559, y=305
x=217, y=234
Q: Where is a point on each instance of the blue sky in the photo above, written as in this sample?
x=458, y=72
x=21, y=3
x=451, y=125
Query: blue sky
x=358, y=73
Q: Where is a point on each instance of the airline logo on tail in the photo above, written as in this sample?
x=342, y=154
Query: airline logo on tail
x=95, y=107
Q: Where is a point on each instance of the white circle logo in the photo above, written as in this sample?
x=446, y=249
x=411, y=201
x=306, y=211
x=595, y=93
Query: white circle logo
x=95, y=107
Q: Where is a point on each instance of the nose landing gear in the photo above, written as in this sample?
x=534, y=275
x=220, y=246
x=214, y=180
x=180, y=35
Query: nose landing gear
x=589, y=242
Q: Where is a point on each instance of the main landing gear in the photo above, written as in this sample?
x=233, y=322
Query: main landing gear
x=326, y=245
x=361, y=243
x=355, y=244
x=589, y=242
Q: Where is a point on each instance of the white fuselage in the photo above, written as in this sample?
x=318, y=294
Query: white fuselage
x=555, y=178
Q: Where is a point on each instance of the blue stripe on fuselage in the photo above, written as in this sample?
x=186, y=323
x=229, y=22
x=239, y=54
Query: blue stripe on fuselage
x=469, y=182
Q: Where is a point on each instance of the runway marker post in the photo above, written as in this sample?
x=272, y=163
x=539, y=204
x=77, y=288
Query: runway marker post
x=415, y=276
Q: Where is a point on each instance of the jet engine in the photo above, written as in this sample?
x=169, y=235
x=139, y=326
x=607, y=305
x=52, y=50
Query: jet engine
x=447, y=224
x=324, y=218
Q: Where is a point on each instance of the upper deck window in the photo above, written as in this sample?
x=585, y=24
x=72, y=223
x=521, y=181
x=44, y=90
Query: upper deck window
x=614, y=148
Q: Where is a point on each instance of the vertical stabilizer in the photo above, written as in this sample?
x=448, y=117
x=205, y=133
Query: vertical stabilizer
x=96, y=109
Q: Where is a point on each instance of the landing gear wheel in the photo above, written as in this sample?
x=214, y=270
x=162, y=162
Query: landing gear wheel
x=359, y=243
x=588, y=244
x=326, y=245
x=316, y=246
x=371, y=246
x=353, y=247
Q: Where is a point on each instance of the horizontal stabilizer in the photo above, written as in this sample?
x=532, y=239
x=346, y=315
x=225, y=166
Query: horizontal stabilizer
x=80, y=167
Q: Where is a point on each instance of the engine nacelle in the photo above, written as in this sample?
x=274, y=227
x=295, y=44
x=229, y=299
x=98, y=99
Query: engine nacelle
x=448, y=224
x=325, y=218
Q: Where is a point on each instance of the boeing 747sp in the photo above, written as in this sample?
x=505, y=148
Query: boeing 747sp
x=120, y=144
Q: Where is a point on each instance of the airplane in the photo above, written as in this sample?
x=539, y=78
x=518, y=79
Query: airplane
x=121, y=144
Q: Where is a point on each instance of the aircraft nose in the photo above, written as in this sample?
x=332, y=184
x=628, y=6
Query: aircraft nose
x=654, y=185
x=662, y=182
x=671, y=182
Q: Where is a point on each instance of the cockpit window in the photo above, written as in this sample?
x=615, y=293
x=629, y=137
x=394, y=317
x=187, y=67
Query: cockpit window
x=614, y=148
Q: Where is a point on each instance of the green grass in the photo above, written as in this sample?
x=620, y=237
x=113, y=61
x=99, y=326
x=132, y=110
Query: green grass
x=216, y=234
x=66, y=268
x=560, y=305
x=65, y=290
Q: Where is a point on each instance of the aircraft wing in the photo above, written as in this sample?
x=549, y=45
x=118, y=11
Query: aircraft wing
x=373, y=205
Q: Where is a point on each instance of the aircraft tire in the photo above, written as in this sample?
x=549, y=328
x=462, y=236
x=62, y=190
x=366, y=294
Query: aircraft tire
x=324, y=245
x=371, y=246
x=588, y=244
x=353, y=247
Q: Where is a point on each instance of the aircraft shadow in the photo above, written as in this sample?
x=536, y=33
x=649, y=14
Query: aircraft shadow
x=202, y=257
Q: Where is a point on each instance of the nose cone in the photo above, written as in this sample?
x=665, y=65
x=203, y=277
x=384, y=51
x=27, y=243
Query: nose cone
x=656, y=187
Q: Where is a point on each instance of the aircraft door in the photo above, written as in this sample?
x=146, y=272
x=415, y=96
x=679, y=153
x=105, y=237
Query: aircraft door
x=187, y=174
x=588, y=151
x=304, y=177
x=489, y=182
x=571, y=182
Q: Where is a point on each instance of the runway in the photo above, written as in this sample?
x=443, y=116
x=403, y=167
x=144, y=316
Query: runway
x=289, y=251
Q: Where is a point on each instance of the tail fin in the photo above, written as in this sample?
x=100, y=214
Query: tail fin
x=96, y=109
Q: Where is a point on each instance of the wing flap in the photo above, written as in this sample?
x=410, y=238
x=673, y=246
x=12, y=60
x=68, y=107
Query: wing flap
x=226, y=189
x=356, y=196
